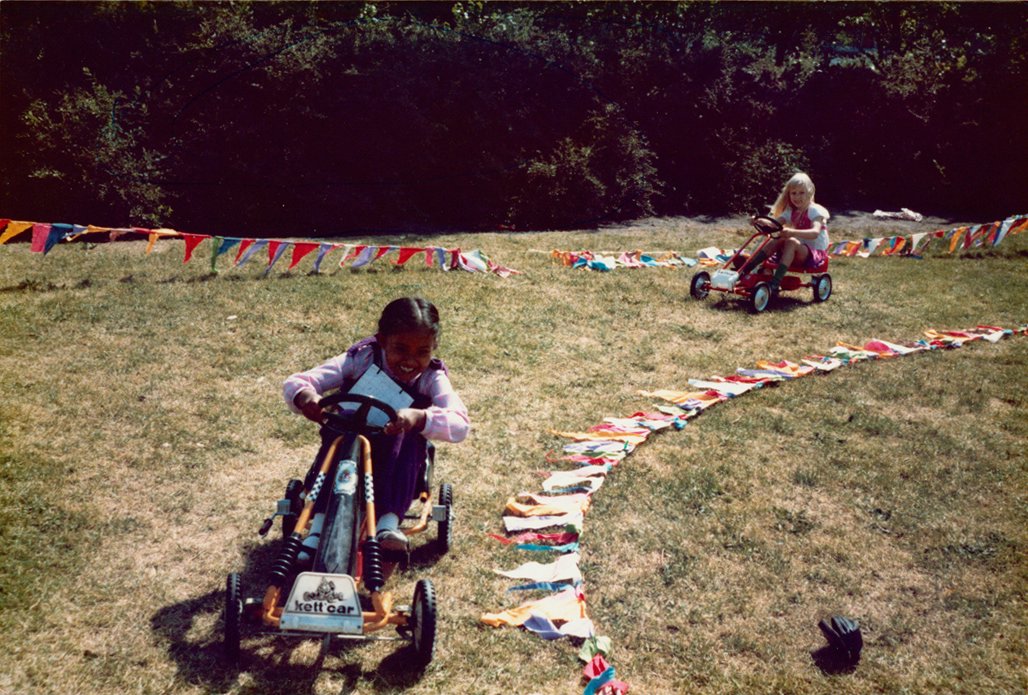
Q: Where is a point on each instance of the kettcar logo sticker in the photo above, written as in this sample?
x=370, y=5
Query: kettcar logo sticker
x=324, y=600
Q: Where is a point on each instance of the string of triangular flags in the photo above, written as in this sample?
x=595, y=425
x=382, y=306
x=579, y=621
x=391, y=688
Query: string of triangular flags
x=626, y=259
x=47, y=235
x=960, y=238
x=552, y=519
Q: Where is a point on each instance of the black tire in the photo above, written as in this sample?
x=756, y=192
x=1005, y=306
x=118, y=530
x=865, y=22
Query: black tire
x=423, y=622
x=700, y=286
x=760, y=297
x=822, y=287
x=233, y=617
x=293, y=490
x=445, y=530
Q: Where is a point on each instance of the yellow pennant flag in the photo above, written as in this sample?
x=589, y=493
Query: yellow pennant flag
x=13, y=230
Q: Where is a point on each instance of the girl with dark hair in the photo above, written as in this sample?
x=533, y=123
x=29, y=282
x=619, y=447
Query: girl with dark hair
x=403, y=347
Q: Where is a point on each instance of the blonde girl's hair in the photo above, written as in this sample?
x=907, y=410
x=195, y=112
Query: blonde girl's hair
x=798, y=179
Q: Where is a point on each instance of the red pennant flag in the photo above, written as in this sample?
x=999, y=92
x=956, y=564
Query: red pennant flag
x=40, y=232
x=243, y=246
x=192, y=241
x=273, y=251
x=405, y=254
x=301, y=249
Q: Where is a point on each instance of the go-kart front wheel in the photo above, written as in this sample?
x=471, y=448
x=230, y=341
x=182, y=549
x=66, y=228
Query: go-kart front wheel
x=760, y=297
x=822, y=287
x=422, y=622
x=233, y=616
x=445, y=528
x=700, y=286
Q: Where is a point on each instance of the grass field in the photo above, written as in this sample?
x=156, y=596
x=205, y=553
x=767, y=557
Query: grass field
x=143, y=439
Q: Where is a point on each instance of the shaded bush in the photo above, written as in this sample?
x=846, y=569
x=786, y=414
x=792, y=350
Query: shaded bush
x=275, y=118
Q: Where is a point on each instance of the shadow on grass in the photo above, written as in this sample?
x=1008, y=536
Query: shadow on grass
x=29, y=286
x=832, y=662
x=200, y=657
x=782, y=303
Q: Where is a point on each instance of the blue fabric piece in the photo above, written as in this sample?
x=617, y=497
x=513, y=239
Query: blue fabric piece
x=322, y=252
x=278, y=254
x=569, y=490
x=566, y=548
x=57, y=232
x=542, y=626
x=254, y=248
x=226, y=244
x=598, y=682
x=543, y=586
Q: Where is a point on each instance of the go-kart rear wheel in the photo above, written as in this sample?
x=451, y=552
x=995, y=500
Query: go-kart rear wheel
x=822, y=287
x=760, y=297
x=445, y=537
x=700, y=286
x=233, y=616
x=422, y=622
x=294, y=488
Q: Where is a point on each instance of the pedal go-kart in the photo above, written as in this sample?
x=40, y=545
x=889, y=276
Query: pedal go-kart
x=755, y=286
x=336, y=590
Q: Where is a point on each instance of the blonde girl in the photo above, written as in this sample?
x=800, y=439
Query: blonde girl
x=803, y=241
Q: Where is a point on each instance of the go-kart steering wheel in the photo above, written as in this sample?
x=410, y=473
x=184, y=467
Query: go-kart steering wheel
x=767, y=225
x=355, y=421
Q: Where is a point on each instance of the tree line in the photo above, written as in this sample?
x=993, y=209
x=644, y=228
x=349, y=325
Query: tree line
x=317, y=118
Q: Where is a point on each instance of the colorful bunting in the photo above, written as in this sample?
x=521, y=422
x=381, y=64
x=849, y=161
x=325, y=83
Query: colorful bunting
x=563, y=612
x=901, y=245
x=625, y=259
x=990, y=234
x=45, y=236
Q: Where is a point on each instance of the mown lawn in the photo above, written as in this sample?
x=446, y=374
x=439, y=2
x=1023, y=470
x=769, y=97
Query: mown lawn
x=143, y=439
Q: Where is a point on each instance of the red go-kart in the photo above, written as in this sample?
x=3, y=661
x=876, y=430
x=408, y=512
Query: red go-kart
x=755, y=286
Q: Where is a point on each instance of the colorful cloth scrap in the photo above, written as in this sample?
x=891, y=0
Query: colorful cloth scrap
x=564, y=568
x=605, y=262
x=564, y=606
x=569, y=522
x=528, y=504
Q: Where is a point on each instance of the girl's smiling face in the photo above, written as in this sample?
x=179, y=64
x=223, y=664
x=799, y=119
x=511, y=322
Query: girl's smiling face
x=800, y=196
x=407, y=354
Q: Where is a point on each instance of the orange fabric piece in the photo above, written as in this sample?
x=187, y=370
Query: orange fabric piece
x=560, y=608
x=543, y=505
x=14, y=229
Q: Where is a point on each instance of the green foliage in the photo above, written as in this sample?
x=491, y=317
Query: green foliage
x=473, y=114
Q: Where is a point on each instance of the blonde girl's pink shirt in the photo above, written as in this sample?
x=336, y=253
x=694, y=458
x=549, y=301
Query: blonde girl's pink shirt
x=814, y=217
x=445, y=420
